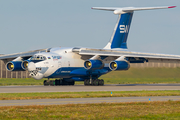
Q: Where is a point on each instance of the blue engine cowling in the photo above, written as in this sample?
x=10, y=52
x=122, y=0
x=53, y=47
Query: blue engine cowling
x=14, y=66
x=119, y=65
x=24, y=64
x=93, y=64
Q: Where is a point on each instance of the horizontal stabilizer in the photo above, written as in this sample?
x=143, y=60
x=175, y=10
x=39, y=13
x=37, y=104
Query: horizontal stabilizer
x=129, y=9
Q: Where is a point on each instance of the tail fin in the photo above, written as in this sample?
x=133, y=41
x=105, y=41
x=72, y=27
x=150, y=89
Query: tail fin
x=120, y=34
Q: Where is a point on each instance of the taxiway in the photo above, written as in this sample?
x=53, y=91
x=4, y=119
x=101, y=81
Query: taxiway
x=80, y=88
x=85, y=100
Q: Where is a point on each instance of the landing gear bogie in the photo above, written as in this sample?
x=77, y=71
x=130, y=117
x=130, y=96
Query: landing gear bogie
x=58, y=82
x=96, y=82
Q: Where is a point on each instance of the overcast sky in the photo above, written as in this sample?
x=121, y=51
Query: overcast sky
x=35, y=24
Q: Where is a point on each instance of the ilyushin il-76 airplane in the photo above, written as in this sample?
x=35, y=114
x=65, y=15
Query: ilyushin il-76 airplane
x=64, y=66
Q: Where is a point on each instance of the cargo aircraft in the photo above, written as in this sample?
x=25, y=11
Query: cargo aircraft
x=67, y=65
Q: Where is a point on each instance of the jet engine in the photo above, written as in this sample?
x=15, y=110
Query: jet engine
x=14, y=66
x=119, y=65
x=93, y=64
x=25, y=64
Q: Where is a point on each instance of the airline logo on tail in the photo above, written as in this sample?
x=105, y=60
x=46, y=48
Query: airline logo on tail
x=124, y=28
x=121, y=31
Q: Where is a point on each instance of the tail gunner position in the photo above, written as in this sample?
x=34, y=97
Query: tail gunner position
x=67, y=65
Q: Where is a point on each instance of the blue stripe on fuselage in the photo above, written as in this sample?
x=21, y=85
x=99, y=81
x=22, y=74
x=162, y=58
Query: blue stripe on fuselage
x=68, y=72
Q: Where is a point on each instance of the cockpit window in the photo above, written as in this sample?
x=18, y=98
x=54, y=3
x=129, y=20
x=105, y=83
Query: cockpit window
x=38, y=57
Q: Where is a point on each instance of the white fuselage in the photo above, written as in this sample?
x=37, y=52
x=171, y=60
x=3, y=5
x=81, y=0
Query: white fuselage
x=56, y=59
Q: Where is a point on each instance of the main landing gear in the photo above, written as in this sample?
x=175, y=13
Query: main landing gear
x=97, y=82
x=58, y=82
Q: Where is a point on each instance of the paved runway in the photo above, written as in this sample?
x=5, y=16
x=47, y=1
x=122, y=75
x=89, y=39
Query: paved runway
x=79, y=88
x=85, y=100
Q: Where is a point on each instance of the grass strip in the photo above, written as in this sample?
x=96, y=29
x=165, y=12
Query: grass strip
x=131, y=111
x=54, y=95
x=20, y=81
x=31, y=81
x=131, y=76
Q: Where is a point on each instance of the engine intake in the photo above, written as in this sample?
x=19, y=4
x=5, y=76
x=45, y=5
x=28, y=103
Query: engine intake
x=14, y=66
x=25, y=64
x=119, y=65
x=93, y=64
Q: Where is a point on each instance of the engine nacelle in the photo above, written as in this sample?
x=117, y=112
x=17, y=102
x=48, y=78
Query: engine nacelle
x=14, y=66
x=93, y=64
x=24, y=64
x=119, y=65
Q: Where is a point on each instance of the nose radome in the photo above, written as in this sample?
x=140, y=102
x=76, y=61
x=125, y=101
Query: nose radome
x=31, y=66
x=33, y=72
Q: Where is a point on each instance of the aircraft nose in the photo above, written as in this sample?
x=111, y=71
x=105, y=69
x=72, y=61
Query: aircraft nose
x=38, y=76
x=31, y=66
x=34, y=72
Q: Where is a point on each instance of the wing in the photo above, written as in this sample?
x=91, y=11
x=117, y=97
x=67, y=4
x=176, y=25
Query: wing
x=22, y=55
x=132, y=57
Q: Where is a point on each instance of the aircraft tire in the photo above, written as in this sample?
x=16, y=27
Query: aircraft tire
x=102, y=82
x=72, y=82
x=86, y=82
x=46, y=83
x=96, y=82
x=57, y=82
x=65, y=82
x=93, y=82
x=60, y=82
x=52, y=82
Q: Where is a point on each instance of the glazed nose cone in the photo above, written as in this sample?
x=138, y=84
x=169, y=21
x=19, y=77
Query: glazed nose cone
x=33, y=72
